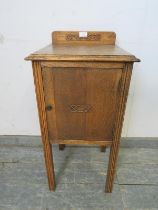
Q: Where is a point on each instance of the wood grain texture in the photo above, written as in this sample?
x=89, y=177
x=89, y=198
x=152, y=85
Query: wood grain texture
x=49, y=92
x=85, y=64
x=83, y=101
x=81, y=88
x=126, y=76
x=100, y=142
x=69, y=86
x=43, y=124
x=93, y=37
x=101, y=93
x=82, y=53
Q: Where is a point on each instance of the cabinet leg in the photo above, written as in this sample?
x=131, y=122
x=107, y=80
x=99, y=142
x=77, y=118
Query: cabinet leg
x=49, y=166
x=103, y=148
x=61, y=146
x=37, y=72
x=111, y=167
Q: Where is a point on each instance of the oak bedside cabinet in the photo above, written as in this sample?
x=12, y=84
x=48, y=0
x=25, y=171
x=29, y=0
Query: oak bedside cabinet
x=81, y=82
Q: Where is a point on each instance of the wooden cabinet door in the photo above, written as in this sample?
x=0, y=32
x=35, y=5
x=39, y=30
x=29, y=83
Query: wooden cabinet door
x=81, y=102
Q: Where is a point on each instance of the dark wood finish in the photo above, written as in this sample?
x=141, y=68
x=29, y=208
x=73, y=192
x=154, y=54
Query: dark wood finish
x=61, y=146
x=81, y=87
x=103, y=148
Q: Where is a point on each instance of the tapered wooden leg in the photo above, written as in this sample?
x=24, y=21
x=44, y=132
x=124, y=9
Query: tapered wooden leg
x=124, y=87
x=103, y=148
x=111, y=167
x=43, y=124
x=61, y=146
x=49, y=165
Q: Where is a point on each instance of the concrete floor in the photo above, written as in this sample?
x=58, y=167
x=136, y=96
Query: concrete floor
x=80, y=176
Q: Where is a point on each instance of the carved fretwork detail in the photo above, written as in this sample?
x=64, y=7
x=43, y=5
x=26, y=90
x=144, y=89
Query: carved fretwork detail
x=80, y=107
x=90, y=37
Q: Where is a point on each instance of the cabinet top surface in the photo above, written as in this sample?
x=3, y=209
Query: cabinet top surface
x=82, y=52
x=96, y=46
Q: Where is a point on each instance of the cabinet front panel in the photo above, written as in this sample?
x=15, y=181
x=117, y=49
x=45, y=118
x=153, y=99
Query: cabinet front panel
x=102, y=91
x=70, y=90
x=83, y=102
